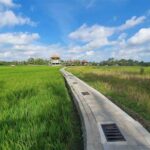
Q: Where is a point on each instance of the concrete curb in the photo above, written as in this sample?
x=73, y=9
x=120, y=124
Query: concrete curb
x=89, y=127
x=94, y=110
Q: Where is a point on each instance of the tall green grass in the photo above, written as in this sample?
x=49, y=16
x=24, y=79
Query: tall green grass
x=36, y=112
x=128, y=87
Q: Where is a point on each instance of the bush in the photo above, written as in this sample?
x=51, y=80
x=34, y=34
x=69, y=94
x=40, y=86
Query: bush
x=141, y=70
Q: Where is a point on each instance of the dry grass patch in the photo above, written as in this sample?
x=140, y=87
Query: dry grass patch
x=126, y=86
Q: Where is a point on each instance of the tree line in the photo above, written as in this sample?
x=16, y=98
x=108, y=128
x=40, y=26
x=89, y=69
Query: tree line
x=109, y=62
x=123, y=62
x=30, y=61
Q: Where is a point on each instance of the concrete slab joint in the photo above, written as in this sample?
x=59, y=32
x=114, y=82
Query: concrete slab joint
x=96, y=110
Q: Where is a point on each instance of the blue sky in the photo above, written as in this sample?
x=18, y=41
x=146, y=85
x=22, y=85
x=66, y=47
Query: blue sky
x=94, y=30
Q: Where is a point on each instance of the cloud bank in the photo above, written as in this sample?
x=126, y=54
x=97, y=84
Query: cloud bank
x=96, y=42
x=9, y=18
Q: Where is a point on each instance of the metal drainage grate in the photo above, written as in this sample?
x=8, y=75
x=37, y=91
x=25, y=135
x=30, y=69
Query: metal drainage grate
x=74, y=82
x=112, y=133
x=85, y=93
x=69, y=75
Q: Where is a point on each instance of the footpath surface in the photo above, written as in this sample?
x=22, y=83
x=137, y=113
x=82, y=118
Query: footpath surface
x=105, y=126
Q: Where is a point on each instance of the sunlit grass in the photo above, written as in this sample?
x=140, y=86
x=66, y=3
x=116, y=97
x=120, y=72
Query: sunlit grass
x=36, y=112
x=125, y=86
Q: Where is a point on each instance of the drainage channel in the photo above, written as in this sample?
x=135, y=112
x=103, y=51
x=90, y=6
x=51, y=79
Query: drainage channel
x=75, y=83
x=112, y=133
x=85, y=93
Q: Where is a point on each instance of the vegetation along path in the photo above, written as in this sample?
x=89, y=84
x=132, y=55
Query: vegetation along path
x=36, y=112
x=106, y=126
x=128, y=87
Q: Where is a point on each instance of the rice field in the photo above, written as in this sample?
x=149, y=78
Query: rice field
x=36, y=112
x=128, y=87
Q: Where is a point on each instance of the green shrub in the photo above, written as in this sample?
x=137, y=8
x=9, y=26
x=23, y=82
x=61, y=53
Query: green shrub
x=141, y=71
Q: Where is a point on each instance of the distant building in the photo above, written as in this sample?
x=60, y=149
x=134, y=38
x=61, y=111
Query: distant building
x=84, y=63
x=55, y=60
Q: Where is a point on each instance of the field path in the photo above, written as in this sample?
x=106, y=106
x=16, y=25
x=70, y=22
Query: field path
x=105, y=125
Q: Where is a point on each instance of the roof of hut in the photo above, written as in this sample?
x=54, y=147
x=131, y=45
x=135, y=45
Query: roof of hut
x=55, y=56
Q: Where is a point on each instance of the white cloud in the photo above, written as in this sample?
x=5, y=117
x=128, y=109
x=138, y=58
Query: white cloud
x=141, y=37
x=136, y=47
x=96, y=37
x=18, y=38
x=128, y=52
x=7, y=3
x=122, y=36
x=92, y=37
x=5, y=54
x=87, y=34
x=75, y=49
x=132, y=22
x=9, y=18
x=21, y=46
x=89, y=53
x=88, y=42
x=25, y=51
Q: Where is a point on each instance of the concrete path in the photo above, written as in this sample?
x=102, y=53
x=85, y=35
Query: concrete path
x=105, y=125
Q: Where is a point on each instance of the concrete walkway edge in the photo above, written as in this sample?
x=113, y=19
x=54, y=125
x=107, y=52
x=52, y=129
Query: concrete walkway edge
x=95, y=109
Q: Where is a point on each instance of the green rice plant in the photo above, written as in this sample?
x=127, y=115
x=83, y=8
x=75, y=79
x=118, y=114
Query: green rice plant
x=36, y=112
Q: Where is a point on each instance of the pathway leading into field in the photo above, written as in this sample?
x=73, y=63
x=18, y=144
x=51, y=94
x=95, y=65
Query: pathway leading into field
x=105, y=125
